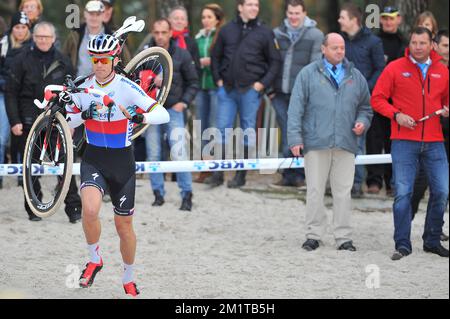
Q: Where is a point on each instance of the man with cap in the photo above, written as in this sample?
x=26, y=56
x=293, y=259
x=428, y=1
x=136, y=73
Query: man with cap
x=378, y=137
x=394, y=42
x=78, y=39
x=108, y=21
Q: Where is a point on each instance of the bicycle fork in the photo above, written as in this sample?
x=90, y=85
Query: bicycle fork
x=44, y=148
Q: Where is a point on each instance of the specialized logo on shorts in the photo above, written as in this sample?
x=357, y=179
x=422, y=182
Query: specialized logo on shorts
x=95, y=176
x=122, y=200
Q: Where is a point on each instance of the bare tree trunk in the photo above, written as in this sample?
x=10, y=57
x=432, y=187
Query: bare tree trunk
x=277, y=12
x=152, y=11
x=333, y=15
x=410, y=10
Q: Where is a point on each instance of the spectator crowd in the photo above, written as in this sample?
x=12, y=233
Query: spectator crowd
x=353, y=91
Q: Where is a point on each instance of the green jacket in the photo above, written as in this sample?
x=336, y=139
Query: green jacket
x=204, y=42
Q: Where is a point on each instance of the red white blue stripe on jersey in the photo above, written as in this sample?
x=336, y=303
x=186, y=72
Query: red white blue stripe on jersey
x=108, y=134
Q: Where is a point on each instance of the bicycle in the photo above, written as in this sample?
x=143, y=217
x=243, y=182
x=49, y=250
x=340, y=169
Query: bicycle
x=49, y=147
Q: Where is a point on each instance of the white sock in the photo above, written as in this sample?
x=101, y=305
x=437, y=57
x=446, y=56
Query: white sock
x=127, y=274
x=94, y=253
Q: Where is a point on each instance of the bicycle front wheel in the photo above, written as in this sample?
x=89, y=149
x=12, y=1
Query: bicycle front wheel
x=152, y=69
x=47, y=164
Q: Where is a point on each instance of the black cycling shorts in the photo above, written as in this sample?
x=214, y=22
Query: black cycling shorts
x=113, y=170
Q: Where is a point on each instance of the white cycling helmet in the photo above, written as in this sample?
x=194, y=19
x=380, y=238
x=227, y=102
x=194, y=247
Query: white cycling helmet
x=104, y=44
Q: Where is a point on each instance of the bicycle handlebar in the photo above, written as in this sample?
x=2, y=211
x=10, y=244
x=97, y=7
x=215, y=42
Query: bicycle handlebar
x=50, y=89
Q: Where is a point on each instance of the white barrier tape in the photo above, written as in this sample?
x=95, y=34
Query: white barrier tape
x=266, y=164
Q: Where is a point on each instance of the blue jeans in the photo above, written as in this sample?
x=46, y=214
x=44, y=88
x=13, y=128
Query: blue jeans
x=4, y=129
x=229, y=104
x=206, y=108
x=281, y=104
x=175, y=131
x=360, y=170
x=406, y=156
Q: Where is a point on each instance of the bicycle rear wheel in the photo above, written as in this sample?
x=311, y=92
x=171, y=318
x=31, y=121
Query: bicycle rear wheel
x=47, y=164
x=147, y=69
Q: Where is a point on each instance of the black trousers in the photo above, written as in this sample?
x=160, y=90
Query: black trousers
x=379, y=140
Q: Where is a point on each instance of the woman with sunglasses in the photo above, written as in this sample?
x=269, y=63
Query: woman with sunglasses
x=108, y=162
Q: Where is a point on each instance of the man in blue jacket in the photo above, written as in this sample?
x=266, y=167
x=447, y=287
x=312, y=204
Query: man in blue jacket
x=329, y=109
x=245, y=62
x=365, y=50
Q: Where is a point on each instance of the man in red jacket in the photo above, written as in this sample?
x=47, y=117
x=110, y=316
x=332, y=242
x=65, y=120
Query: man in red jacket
x=418, y=86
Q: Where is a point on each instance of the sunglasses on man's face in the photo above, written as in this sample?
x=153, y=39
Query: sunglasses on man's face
x=104, y=60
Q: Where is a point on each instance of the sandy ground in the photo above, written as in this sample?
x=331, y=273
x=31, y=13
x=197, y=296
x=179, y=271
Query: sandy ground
x=234, y=244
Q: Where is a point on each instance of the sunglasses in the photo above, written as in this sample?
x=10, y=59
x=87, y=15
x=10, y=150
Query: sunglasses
x=104, y=60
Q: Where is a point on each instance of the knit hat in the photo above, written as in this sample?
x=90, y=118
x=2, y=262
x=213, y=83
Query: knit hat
x=20, y=18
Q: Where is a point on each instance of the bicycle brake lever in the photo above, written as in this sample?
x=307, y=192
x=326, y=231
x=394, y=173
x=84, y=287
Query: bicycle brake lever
x=109, y=103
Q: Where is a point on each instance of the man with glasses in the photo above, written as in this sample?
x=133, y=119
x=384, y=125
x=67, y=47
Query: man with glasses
x=33, y=9
x=32, y=70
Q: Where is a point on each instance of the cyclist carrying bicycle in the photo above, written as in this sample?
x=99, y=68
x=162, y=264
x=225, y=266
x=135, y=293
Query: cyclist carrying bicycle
x=108, y=162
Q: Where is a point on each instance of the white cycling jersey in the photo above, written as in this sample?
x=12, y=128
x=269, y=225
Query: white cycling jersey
x=117, y=132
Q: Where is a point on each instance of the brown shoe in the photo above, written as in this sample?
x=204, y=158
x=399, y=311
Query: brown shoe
x=201, y=178
x=374, y=190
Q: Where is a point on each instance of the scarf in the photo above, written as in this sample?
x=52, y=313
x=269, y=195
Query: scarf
x=46, y=57
x=179, y=37
x=293, y=33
